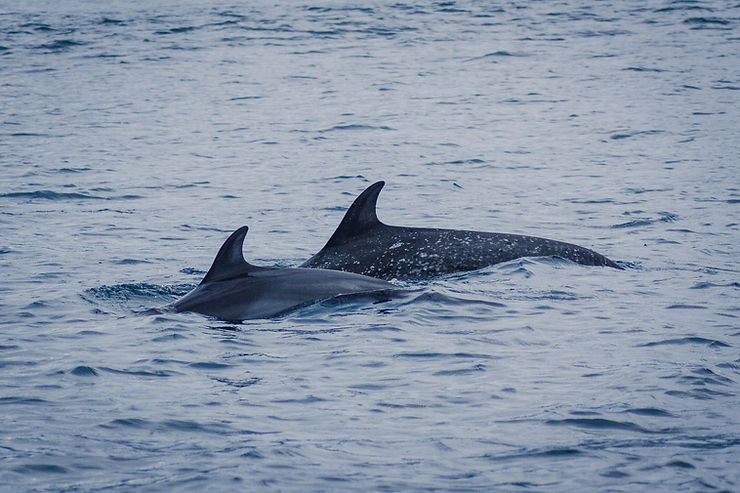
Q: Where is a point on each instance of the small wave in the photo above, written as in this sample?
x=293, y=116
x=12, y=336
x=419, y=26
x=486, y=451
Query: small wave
x=60, y=45
x=177, y=30
x=349, y=300
x=680, y=464
x=311, y=399
x=241, y=383
x=40, y=468
x=125, y=292
x=380, y=328
x=183, y=425
x=687, y=340
x=643, y=69
x=665, y=217
x=84, y=371
x=614, y=474
x=370, y=386
x=324, y=10
x=601, y=33
x=140, y=373
x=641, y=190
x=168, y=337
x=598, y=423
x=590, y=201
x=131, y=261
x=178, y=426
x=537, y=454
x=706, y=372
x=433, y=355
x=706, y=21
x=731, y=365
x=127, y=423
x=682, y=8
x=497, y=54
x=698, y=394
x=446, y=299
x=301, y=77
x=38, y=26
x=22, y=400
x=458, y=162
x=104, y=55
x=73, y=170
x=392, y=405
x=208, y=365
x=108, y=20
x=11, y=363
x=51, y=195
x=627, y=135
x=650, y=411
x=354, y=127
x=461, y=371
x=685, y=306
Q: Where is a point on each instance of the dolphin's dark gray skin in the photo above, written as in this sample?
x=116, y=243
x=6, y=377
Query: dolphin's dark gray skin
x=364, y=245
x=235, y=290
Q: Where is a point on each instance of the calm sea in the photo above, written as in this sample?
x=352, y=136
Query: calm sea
x=136, y=135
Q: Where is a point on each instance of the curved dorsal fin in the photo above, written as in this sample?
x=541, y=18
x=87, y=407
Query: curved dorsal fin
x=360, y=216
x=229, y=261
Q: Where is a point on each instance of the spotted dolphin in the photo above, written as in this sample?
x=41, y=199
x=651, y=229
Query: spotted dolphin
x=236, y=290
x=364, y=245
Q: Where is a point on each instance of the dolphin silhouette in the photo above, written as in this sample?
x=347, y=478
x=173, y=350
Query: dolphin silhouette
x=236, y=290
x=364, y=245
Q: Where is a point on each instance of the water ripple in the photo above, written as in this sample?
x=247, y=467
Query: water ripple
x=599, y=424
x=133, y=139
x=6, y=401
x=687, y=340
x=84, y=371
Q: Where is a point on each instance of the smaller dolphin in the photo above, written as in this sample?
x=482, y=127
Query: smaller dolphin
x=364, y=245
x=236, y=290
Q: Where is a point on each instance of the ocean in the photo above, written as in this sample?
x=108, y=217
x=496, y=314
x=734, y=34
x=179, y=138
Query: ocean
x=136, y=136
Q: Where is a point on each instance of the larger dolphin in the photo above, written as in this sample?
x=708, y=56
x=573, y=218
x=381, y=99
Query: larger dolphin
x=364, y=245
x=236, y=290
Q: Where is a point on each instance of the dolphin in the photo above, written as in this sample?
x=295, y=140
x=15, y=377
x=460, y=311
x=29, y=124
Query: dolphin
x=364, y=245
x=236, y=290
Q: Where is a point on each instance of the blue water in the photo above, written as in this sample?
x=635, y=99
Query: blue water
x=135, y=136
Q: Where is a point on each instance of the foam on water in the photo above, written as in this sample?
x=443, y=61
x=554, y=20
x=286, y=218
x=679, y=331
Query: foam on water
x=134, y=137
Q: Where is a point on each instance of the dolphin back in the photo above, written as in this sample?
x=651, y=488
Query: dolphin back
x=229, y=261
x=364, y=245
x=235, y=290
x=360, y=218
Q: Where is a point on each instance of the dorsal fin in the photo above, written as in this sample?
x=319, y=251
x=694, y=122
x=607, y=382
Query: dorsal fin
x=360, y=216
x=229, y=261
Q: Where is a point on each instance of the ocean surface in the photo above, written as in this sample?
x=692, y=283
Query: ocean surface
x=135, y=136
